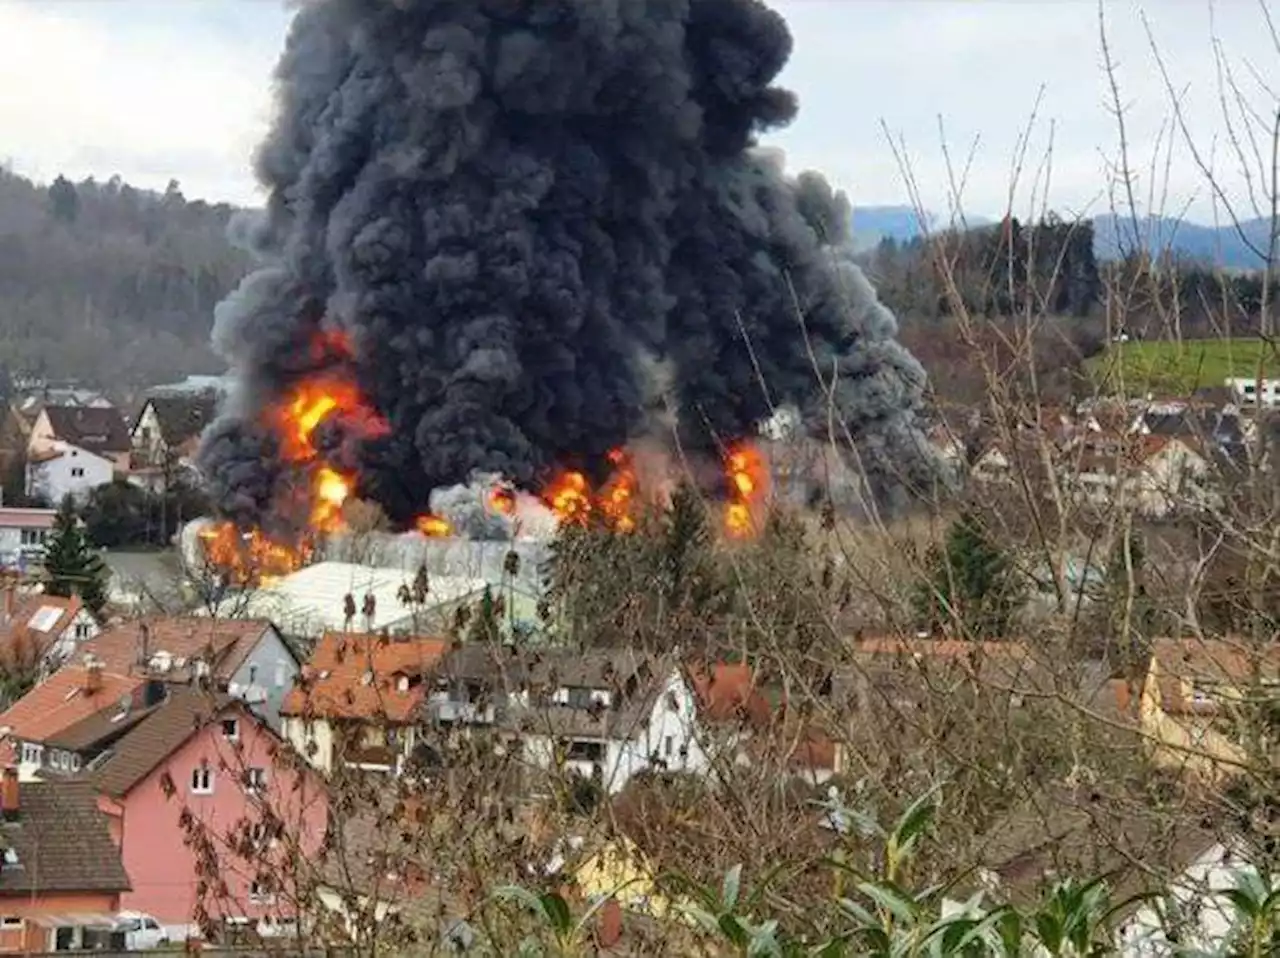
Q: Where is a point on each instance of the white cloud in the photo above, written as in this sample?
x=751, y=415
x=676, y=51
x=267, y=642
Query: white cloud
x=155, y=89
x=149, y=98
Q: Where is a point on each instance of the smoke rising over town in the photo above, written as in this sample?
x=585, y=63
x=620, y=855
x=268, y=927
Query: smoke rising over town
x=514, y=213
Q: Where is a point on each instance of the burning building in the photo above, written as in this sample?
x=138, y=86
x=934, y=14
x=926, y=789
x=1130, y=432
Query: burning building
x=506, y=239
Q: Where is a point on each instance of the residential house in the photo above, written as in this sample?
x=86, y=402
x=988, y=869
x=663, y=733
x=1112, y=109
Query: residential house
x=1203, y=699
x=67, y=697
x=1249, y=392
x=1180, y=854
x=22, y=535
x=203, y=761
x=348, y=597
x=608, y=715
x=74, y=449
x=1155, y=474
x=39, y=632
x=15, y=431
x=61, y=874
x=358, y=699
x=745, y=716
x=246, y=658
x=165, y=436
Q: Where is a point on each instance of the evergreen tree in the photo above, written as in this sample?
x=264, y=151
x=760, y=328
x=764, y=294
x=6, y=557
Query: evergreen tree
x=72, y=565
x=486, y=623
x=685, y=567
x=64, y=201
x=971, y=587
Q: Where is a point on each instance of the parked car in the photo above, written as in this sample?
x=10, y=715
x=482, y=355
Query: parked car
x=141, y=932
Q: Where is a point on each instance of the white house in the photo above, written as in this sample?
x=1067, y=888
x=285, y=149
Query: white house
x=74, y=449
x=1248, y=392
x=67, y=471
x=609, y=715
x=1194, y=909
x=165, y=436
x=22, y=535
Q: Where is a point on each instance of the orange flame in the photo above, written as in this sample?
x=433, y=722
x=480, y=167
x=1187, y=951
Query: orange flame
x=435, y=527
x=569, y=497
x=502, y=501
x=618, y=497
x=748, y=484
x=295, y=420
x=250, y=558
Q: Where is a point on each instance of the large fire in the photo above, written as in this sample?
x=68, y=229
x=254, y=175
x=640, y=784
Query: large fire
x=748, y=480
x=249, y=557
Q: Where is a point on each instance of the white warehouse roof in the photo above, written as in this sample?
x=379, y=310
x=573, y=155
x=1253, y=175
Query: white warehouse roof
x=313, y=599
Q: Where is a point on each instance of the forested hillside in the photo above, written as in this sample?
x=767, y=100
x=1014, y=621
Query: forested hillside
x=110, y=285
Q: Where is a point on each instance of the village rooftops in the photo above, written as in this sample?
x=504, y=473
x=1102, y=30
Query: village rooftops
x=67, y=697
x=165, y=728
x=365, y=676
x=1189, y=672
x=31, y=624
x=56, y=840
x=171, y=646
x=97, y=429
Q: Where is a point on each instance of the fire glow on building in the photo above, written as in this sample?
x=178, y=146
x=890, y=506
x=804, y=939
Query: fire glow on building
x=522, y=241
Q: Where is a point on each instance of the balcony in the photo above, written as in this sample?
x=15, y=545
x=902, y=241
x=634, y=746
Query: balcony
x=450, y=709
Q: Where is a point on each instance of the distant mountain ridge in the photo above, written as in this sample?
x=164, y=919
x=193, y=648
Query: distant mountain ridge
x=1222, y=245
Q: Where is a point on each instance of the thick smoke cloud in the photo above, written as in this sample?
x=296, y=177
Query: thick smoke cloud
x=517, y=210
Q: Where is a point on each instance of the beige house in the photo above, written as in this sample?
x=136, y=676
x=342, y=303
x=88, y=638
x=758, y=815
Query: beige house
x=1205, y=704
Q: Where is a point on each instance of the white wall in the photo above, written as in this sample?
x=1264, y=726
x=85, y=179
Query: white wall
x=1196, y=896
x=312, y=738
x=673, y=720
x=76, y=472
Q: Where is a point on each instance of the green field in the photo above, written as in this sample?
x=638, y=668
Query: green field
x=1181, y=368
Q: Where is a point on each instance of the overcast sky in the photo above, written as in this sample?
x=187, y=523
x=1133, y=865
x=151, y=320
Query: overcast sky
x=154, y=89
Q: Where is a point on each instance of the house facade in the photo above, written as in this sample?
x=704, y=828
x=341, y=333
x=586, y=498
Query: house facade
x=74, y=449
x=22, y=535
x=246, y=658
x=1201, y=699
x=607, y=716
x=62, y=877
x=165, y=435
x=203, y=764
x=358, y=700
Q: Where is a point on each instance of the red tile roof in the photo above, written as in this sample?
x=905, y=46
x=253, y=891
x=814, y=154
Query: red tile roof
x=223, y=644
x=14, y=518
x=1233, y=663
x=63, y=700
x=729, y=692
x=27, y=631
x=363, y=676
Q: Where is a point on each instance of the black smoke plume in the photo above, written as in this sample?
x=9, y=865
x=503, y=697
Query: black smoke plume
x=518, y=209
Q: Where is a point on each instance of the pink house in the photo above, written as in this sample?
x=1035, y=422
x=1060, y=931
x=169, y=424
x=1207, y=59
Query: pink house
x=201, y=802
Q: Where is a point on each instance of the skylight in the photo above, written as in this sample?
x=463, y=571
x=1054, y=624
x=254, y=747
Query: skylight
x=45, y=618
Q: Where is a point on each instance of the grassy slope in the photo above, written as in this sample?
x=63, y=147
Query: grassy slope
x=1181, y=368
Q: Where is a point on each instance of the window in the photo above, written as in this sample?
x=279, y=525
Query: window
x=10, y=921
x=202, y=780
x=253, y=674
x=83, y=631
x=77, y=472
x=33, y=537
x=260, y=891
x=255, y=779
x=231, y=729
x=32, y=754
x=668, y=746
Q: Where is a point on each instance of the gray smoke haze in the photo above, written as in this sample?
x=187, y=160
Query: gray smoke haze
x=517, y=210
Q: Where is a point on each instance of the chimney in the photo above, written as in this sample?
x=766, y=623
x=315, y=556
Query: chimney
x=10, y=803
x=92, y=677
